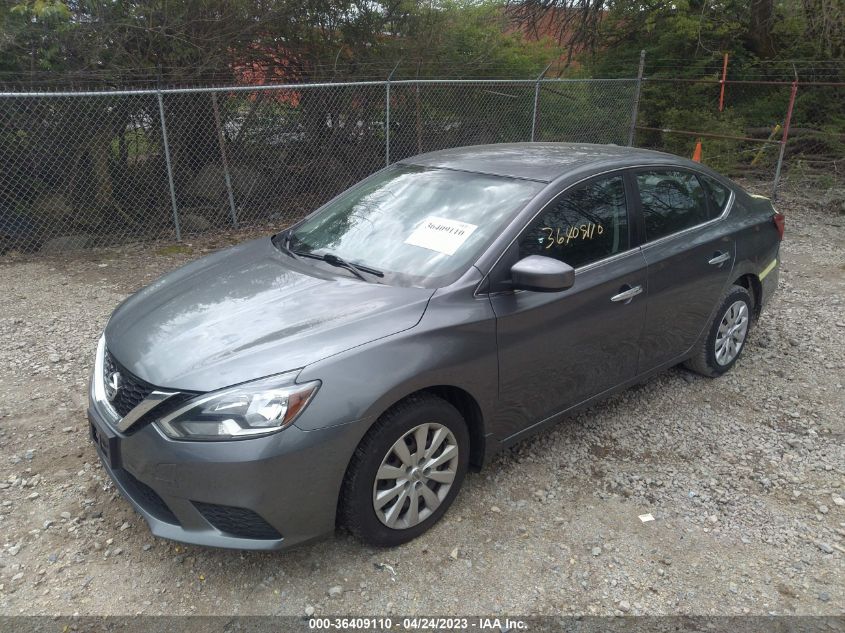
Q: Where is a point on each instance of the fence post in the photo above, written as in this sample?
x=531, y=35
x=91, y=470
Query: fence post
x=387, y=116
x=536, y=112
x=636, y=106
x=223, y=158
x=418, y=111
x=169, y=167
x=724, y=79
x=784, y=138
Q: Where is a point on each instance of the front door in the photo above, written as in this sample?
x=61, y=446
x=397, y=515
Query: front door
x=559, y=349
x=690, y=257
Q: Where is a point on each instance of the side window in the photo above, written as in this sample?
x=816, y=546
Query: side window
x=584, y=225
x=672, y=201
x=717, y=194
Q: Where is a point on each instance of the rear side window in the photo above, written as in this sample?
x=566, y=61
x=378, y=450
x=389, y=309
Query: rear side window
x=584, y=225
x=671, y=201
x=717, y=194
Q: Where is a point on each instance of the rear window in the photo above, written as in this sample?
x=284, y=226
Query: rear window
x=717, y=195
x=671, y=201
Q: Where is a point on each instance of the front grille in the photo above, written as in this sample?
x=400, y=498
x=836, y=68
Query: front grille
x=237, y=522
x=132, y=389
x=147, y=498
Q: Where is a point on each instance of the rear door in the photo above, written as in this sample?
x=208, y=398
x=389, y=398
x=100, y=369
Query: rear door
x=689, y=252
x=558, y=349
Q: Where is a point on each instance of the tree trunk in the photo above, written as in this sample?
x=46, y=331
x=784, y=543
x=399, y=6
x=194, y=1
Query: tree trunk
x=760, y=27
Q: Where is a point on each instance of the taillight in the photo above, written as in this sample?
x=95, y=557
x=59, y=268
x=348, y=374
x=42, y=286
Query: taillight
x=780, y=223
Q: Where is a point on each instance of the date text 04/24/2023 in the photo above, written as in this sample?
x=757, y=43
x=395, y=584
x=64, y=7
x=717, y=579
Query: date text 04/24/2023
x=417, y=623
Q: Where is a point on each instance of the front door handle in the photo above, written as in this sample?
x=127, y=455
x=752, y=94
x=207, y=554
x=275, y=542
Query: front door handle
x=628, y=294
x=719, y=259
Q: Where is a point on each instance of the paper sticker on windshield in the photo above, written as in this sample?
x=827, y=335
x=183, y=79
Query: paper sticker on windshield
x=441, y=235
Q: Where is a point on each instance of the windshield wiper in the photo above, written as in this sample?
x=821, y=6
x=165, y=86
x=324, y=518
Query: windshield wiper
x=282, y=242
x=329, y=258
x=337, y=260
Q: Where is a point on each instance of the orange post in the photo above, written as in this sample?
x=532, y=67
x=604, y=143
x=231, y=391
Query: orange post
x=724, y=77
x=696, y=155
x=786, y=123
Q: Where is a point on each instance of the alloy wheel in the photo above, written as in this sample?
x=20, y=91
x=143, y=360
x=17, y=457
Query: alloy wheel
x=415, y=476
x=732, y=331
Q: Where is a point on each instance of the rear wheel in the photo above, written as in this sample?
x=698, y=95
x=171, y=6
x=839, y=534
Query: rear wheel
x=726, y=337
x=405, y=472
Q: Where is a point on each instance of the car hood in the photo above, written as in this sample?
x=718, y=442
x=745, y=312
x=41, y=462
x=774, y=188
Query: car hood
x=251, y=311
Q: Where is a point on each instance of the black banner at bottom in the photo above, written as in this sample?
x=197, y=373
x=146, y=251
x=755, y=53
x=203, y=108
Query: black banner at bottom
x=404, y=624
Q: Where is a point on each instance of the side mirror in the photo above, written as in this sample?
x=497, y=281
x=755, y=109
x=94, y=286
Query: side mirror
x=542, y=274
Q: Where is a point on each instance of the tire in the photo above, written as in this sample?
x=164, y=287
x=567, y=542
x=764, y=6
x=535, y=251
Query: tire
x=705, y=359
x=361, y=491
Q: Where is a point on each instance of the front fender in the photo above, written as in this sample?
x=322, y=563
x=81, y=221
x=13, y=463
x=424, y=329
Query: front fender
x=453, y=345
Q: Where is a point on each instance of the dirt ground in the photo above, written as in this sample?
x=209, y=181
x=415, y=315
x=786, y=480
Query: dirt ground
x=744, y=475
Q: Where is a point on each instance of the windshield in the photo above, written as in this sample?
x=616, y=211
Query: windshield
x=418, y=226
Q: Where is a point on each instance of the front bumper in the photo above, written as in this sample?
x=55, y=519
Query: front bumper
x=263, y=493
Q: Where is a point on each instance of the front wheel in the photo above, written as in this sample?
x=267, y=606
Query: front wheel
x=726, y=336
x=406, y=471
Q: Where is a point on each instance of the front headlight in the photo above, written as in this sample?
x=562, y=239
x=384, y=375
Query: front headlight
x=249, y=410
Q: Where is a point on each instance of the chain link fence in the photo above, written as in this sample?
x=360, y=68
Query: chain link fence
x=89, y=169
x=81, y=170
x=739, y=127
x=775, y=133
x=815, y=152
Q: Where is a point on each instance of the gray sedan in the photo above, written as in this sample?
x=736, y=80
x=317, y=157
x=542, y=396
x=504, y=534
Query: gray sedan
x=351, y=369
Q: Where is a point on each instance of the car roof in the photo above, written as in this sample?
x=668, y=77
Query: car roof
x=543, y=162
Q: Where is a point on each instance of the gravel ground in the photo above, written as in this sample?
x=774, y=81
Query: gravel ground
x=744, y=475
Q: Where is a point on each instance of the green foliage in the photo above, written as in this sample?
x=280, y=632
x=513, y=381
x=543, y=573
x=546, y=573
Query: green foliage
x=686, y=40
x=720, y=153
x=120, y=41
x=695, y=33
x=42, y=10
x=585, y=113
x=469, y=37
x=32, y=35
x=820, y=105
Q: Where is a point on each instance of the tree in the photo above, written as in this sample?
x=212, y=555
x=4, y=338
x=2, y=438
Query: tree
x=688, y=29
x=760, y=26
x=575, y=24
x=826, y=27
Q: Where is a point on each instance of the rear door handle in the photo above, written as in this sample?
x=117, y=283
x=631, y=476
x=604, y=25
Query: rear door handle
x=719, y=258
x=627, y=295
